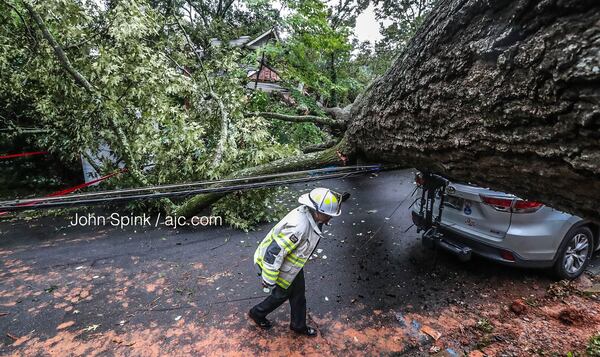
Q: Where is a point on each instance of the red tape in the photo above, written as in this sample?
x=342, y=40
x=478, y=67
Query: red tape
x=32, y=153
x=66, y=191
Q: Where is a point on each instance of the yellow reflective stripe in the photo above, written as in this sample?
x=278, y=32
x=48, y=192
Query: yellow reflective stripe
x=267, y=241
x=303, y=260
x=295, y=262
x=283, y=283
x=282, y=242
x=294, y=259
x=286, y=241
x=271, y=273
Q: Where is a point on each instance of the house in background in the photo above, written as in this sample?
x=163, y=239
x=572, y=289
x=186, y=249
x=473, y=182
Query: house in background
x=260, y=76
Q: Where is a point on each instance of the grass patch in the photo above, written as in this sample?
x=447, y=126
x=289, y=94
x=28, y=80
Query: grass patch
x=484, y=325
x=593, y=347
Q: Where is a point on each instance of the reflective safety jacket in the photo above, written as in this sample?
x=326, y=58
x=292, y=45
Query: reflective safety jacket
x=287, y=247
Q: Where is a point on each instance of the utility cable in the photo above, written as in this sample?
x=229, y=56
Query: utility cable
x=195, y=184
x=51, y=202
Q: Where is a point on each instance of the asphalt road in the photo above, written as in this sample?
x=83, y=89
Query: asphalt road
x=153, y=291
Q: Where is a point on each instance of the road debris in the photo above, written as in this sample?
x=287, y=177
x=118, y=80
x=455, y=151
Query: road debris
x=518, y=307
x=65, y=325
x=91, y=328
x=431, y=332
x=120, y=341
x=434, y=349
x=11, y=336
x=571, y=316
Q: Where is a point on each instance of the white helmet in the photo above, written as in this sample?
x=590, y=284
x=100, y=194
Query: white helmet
x=323, y=200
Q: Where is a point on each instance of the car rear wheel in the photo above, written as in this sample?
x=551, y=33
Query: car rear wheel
x=575, y=253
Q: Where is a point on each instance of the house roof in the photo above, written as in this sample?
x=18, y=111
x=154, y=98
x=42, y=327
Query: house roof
x=266, y=35
x=247, y=41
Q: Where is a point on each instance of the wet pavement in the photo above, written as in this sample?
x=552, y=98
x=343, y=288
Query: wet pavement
x=156, y=291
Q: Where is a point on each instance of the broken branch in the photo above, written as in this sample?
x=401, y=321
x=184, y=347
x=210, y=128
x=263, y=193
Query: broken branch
x=319, y=147
x=302, y=119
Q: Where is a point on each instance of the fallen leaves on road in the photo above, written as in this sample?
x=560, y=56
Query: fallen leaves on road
x=65, y=325
x=121, y=342
x=506, y=324
x=91, y=328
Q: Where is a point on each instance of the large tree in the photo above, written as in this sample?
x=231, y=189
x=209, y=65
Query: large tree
x=503, y=94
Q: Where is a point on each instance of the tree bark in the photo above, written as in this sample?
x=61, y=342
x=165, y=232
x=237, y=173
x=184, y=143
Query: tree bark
x=504, y=94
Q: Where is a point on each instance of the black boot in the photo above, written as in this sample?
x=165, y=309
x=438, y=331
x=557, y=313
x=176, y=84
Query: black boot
x=260, y=322
x=307, y=331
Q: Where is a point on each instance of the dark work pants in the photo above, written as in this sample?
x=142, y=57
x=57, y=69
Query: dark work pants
x=295, y=294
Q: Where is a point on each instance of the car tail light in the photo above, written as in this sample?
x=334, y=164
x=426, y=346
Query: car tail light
x=499, y=203
x=506, y=255
x=511, y=204
x=419, y=180
x=522, y=206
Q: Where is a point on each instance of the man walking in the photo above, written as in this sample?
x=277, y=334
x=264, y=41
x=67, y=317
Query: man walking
x=281, y=256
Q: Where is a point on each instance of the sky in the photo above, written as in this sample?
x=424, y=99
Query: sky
x=367, y=28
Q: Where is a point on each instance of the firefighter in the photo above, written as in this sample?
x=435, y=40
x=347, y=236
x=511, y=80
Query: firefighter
x=281, y=256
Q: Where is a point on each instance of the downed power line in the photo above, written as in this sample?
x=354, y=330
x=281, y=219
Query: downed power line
x=181, y=190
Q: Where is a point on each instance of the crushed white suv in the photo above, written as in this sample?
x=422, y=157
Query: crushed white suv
x=509, y=230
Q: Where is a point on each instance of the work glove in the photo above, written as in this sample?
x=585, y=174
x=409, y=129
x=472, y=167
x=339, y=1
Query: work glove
x=267, y=285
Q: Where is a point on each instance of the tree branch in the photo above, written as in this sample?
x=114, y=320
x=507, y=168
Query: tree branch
x=319, y=147
x=339, y=114
x=58, y=51
x=333, y=156
x=20, y=130
x=83, y=82
x=29, y=31
x=220, y=148
x=332, y=123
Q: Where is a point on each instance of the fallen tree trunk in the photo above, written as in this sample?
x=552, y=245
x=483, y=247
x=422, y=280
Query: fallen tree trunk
x=504, y=94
